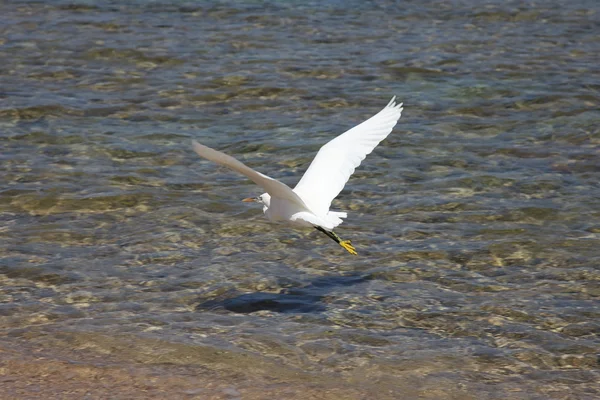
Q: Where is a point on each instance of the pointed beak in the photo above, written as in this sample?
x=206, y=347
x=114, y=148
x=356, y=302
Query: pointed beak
x=249, y=200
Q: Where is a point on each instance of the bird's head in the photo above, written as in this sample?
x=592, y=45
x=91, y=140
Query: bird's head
x=264, y=199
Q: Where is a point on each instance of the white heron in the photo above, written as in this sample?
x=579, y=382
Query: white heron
x=307, y=205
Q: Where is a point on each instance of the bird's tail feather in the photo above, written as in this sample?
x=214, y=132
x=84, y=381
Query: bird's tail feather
x=339, y=214
x=335, y=217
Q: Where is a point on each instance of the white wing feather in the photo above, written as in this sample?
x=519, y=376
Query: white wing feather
x=272, y=186
x=336, y=161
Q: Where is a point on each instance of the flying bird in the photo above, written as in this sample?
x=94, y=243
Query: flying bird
x=307, y=205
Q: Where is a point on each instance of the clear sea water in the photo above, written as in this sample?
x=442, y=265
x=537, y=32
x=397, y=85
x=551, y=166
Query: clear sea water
x=477, y=221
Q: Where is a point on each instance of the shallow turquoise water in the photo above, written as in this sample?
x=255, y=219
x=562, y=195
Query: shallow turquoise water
x=477, y=221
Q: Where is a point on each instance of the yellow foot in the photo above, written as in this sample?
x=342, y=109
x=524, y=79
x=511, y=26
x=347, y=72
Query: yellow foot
x=348, y=246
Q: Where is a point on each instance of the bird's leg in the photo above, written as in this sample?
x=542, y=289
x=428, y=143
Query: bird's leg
x=346, y=244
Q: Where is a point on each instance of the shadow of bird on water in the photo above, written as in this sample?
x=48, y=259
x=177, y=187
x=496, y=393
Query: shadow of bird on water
x=305, y=299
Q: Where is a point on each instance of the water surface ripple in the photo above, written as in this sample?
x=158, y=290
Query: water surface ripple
x=477, y=221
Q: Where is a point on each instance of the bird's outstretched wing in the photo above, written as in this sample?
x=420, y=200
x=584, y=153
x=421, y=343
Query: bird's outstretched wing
x=336, y=161
x=271, y=186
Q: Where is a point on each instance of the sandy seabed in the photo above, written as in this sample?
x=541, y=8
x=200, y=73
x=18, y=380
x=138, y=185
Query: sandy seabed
x=26, y=373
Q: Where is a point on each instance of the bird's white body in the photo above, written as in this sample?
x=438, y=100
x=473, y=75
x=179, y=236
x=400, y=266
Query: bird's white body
x=278, y=210
x=307, y=205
